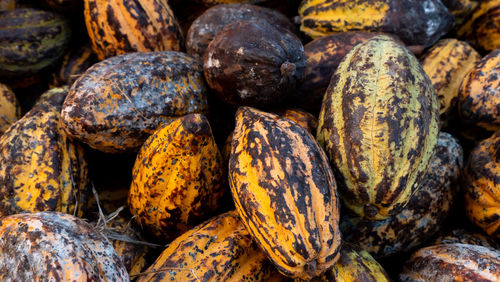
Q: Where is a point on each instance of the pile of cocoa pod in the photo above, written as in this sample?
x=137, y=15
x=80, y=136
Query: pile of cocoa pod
x=250, y=140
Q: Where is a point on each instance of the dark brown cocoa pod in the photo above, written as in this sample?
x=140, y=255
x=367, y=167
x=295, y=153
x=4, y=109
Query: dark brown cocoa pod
x=74, y=64
x=205, y=27
x=254, y=64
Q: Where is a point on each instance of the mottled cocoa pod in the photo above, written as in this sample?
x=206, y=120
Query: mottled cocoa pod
x=205, y=27
x=124, y=26
x=117, y=103
x=446, y=64
x=379, y=125
x=41, y=168
x=460, y=9
x=479, y=93
x=482, y=28
x=416, y=22
x=453, y=262
x=354, y=264
x=73, y=65
x=323, y=55
x=30, y=41
x=10, y=111
x=285, y=193
x=422, y=217
x=463, y=236
x=219, y=249
x=51, y=246
x=177, y=180
x=482, y=185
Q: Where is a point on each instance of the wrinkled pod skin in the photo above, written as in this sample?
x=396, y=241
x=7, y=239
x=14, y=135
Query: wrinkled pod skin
x=379, y=125
x=285, y=193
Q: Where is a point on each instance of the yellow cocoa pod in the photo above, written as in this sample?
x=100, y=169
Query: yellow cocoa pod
x=379, y=125
x=479, y=93
x=41, y=169
x=446, y=64
x=482, y=28
x=177, y=179
x=220, y=249
x=10, y=111
x=119, y=27
x=285, y=193
x=460, y=9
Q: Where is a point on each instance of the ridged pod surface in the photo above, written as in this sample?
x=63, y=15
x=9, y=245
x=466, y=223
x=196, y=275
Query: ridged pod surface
x=479, y=93
x=482, y=185
x=453, y=262
x=354, y=264
x=416, y=22
x=482, y=28
x=463, y=236
x=203, y=30
x=461, y=9
x=219, y=249
x=422, y=217
x=41, y=168
x=30, y=41
x=379, y=125
x=117, y=103
x=10, y=111
x=73, y=65
x=51, y=246
x=446, y=64
x=178, y=177
x=124, y=26
x=285, y=193
x=254, y=63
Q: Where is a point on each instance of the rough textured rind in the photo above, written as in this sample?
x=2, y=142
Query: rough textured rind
x=479, y=93
x=416, y=22
x=354, y=264
x=30, y=41
x=482, y=28
x=220, y=249
x=41, y=169
x=460, y=9
x=178, y=178
x=426, y=211
x=122, y=100
x=482, y=185
x=203, y=30
x=73, y=65
x=463, y=236
x=50, y=246
x=253, y=63
x=323, y=55
x=379, y=125
x=285, y=193
x=453, y=262
x=10, y=111
x=446, y=64
x=124, y=26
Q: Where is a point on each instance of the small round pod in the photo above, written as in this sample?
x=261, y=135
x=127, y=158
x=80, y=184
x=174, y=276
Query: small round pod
x=41, y=168
x=453, y=262
x=30, y=41
x=254, y=63
x=482, y=27
x=177, y=179
x=219, y=249
x=425, y=213
x=482, y=186
x=447, y=63
x=203, y=30
x=119, y=102
x=73, y=65
x=285, y=193
x=463, y=236
x=479, y=93
x=56, y=247
x=379, y=126
x=119, y=27
x=10, y=111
